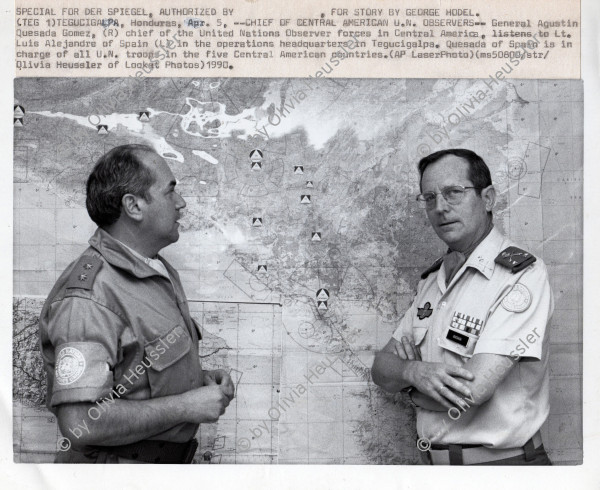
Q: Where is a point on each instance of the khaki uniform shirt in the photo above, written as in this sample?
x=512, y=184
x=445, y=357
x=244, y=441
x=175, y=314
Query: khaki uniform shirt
x=115, y=328
x=486, y=309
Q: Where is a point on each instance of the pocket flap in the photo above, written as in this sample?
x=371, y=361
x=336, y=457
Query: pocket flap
x=419, y=334
x=168, y=349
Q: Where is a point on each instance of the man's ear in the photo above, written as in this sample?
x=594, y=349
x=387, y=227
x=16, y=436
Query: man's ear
x=489, y=197
x=133, y=206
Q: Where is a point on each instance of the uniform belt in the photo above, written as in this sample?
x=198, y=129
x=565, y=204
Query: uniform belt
x=150, y=451
x=456, y=454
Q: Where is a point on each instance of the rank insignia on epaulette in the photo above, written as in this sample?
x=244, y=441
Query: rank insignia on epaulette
x=83, y=274
x=515, y=259
x=432, y=268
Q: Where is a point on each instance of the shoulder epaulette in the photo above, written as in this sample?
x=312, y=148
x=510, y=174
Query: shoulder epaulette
x=432, y=268
x=83, y=274
x=515, y=259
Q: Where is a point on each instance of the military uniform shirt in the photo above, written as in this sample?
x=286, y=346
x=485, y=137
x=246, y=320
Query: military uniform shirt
x=486, y=309
x=115, y=328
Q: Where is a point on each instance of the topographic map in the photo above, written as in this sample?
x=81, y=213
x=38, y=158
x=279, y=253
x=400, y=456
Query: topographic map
x=302, y=242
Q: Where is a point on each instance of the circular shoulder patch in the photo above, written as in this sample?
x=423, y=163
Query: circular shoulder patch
x=70, y=365
x=518, y=300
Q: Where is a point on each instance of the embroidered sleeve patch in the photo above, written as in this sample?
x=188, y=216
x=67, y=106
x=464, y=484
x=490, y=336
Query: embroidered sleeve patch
x=518, y=300
x=70, y=365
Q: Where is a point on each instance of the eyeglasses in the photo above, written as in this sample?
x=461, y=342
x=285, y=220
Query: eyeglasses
x=453, y=194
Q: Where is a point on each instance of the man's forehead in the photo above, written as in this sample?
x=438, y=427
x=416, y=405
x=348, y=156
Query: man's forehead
x=450, y=169
x=157, y=165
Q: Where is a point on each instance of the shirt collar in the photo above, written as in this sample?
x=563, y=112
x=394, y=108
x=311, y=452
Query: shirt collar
x=120, y=255
x=482, y=258
x=156, y=264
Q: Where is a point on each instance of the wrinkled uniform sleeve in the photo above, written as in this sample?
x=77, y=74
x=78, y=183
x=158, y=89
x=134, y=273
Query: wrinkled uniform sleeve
x=505, y=329
x=85, y=338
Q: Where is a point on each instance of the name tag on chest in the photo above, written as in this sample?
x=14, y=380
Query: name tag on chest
x=462, y=334
x=459, y=338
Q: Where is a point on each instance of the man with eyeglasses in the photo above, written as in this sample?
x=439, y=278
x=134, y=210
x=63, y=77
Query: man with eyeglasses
x=472, y=350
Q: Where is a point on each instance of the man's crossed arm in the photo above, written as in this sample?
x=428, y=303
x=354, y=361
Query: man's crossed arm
x=438, y=386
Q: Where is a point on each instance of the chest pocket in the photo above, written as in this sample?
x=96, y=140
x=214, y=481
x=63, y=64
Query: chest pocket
x=461, y=336
x=419, y=333
x=169, y=370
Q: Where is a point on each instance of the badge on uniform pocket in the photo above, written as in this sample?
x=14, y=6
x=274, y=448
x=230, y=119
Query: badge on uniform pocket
x=462, y=334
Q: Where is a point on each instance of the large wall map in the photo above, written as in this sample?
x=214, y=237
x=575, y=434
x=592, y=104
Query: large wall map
x=302, y=242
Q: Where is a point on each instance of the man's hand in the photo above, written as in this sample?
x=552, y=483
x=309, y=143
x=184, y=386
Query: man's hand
x=423, y=401
x=435, y=380
x=399, y=365
x=128, y=421
x=439, y=382
x=408, y=351
x=205, y=404
x=222, y=379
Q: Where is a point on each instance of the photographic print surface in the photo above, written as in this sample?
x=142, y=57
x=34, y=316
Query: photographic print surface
x=302, y=242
